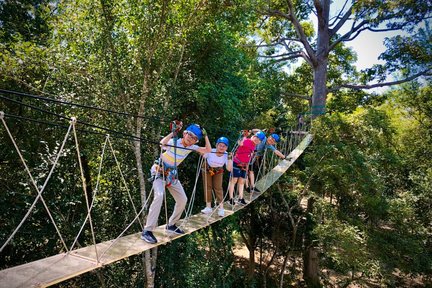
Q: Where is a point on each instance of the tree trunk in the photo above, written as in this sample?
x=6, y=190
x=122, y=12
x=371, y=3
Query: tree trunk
x=310, y=255
x=149, y=257
x=282, y=274
x=310, y=268
x=320, y=89
x=320, y=66
x=251, y=270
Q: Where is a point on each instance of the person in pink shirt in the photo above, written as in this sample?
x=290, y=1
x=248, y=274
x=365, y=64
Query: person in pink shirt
x=241, y=161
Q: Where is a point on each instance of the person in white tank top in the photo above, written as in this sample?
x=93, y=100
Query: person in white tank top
x=212, y=173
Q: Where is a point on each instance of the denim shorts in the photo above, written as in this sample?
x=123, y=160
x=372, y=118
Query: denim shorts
x=238, y=172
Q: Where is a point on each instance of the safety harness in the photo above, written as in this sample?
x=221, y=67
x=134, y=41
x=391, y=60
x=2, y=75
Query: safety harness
x=214, y=170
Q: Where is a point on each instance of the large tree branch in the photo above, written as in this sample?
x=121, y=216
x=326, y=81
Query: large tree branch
x=300, y=32
x=347, y=35
x=342, y=21
x=339, y=15
x=289, y=94
x=295, y=54
x=427, y=72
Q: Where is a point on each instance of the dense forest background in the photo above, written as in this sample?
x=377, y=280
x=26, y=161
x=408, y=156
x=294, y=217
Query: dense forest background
x=226, y=65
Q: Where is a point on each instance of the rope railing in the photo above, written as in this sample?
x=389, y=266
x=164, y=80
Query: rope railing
x=290, y=141
x=39, y=191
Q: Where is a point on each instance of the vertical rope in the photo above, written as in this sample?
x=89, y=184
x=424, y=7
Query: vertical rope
x=94, y=193
x=164, y=187
x=35, y=185
x=192, y=199
x=73, y=122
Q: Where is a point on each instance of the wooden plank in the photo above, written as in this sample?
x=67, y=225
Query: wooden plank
x=270, y=178
x=58, y=268
x=45, y=272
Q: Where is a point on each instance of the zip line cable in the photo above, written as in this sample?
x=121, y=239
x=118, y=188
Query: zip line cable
x=75, y=104
x=118, y=135
x=4, y=91
x=70, y=118
x=125, y=135
x=57, y=125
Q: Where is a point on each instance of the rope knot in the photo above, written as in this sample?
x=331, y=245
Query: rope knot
x=2, y=115
x=73, y=120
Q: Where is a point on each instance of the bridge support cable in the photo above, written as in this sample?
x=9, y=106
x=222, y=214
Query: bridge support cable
x=39, y=191
x=192, y=198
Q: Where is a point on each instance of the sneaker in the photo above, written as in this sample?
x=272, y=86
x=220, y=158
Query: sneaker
x=221, y=212
x=256, y=190
x=231, y=201
x=248, y=189
x=242, y=202
x=148, y=237
x=207, y=210
x=173, y=228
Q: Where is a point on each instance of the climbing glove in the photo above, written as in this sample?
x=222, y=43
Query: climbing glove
x=204, y=132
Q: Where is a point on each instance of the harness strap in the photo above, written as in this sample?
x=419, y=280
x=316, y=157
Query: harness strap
x=241, y=165
x=167, y=174
x=214, y=170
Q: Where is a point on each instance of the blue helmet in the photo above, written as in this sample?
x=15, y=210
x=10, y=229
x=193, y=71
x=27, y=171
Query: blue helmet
x=223, y=140
x=260, y=135
x=275, y=137
x=196, y=130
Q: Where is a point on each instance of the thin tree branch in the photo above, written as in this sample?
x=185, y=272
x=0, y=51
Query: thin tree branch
x=384, y=84
x=349, y=33
x=273, y=12
x=301, y=55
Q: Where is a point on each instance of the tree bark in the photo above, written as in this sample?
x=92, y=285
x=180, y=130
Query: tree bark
x=320, y=66
x=320, y=90
x=251, y=265
x=310, y=255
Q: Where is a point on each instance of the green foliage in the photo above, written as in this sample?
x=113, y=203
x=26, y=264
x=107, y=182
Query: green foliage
x=368, y=168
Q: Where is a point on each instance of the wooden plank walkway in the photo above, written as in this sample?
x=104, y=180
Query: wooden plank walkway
x=58, y=268
x=271, y=177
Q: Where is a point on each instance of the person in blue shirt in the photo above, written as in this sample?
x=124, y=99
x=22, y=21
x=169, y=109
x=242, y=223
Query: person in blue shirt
x=268, y=143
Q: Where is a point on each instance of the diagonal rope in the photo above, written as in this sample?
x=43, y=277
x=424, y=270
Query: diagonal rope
x=124, y=181
x=94, y=193
x=128, y=226
x=192, y=199
x=35, y=185
x=73, y=122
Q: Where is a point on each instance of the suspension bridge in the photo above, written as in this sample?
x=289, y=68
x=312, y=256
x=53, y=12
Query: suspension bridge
x=76, y=261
